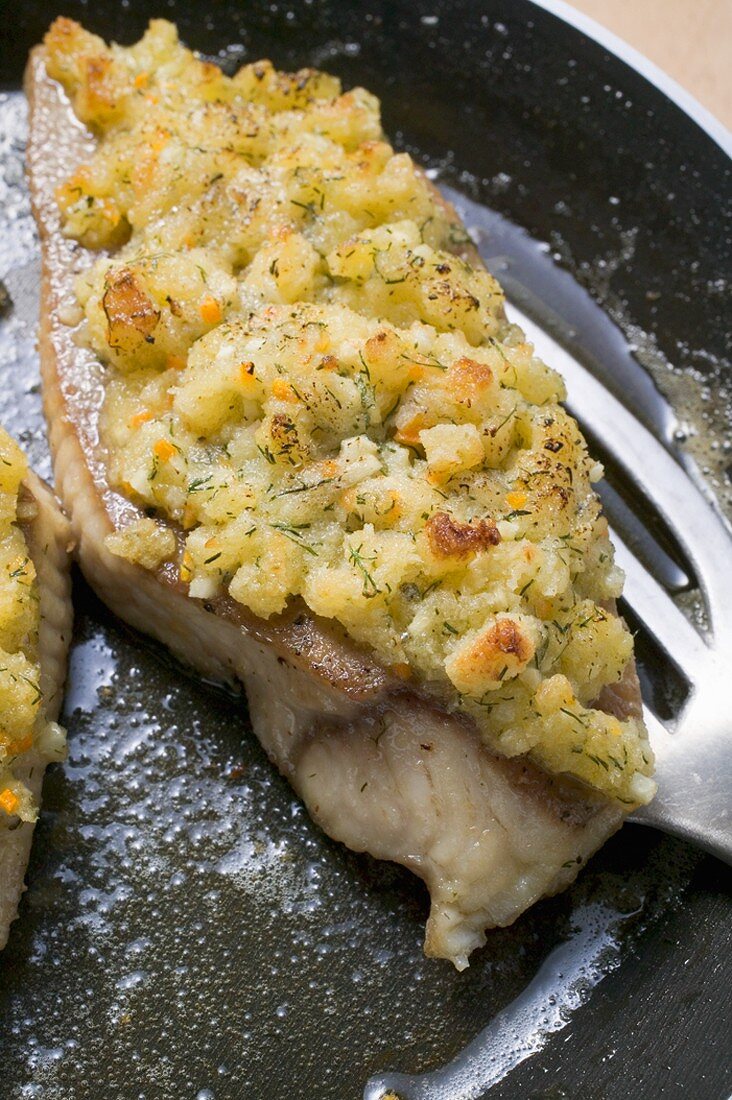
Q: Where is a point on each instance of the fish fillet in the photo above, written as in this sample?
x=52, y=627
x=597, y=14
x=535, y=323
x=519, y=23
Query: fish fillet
x=47, y=536
x=380, y=766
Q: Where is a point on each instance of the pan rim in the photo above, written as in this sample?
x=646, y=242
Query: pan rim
x=634, y=59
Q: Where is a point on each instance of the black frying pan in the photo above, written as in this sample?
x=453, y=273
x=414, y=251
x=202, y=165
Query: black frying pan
x=187, y=932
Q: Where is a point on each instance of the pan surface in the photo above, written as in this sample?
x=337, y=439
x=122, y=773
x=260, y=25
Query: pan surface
x=187, y=932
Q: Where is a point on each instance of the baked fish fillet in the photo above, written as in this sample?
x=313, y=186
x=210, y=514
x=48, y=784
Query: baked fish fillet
x=47, y=538
x=381, y=766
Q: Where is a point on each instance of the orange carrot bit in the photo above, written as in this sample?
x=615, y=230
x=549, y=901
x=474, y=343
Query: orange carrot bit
x=409, y=432
x=246, y=373
x=516, y=499
x=282, y=390
x=164, y=450
x=210, y=311
x=175, y=362
x=141, y=79
x=22, y=745
x=9, y=801
x=402, y=670
x=139, y=418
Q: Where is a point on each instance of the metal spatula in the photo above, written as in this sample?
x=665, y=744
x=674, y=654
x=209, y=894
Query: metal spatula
x=694, y=749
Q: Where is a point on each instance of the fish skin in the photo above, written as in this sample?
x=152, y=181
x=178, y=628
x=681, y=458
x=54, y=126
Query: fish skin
x=488, y=835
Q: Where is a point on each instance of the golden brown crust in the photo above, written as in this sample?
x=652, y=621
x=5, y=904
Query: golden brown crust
x=449, y=538
x=73, y=395
x=131, y=316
